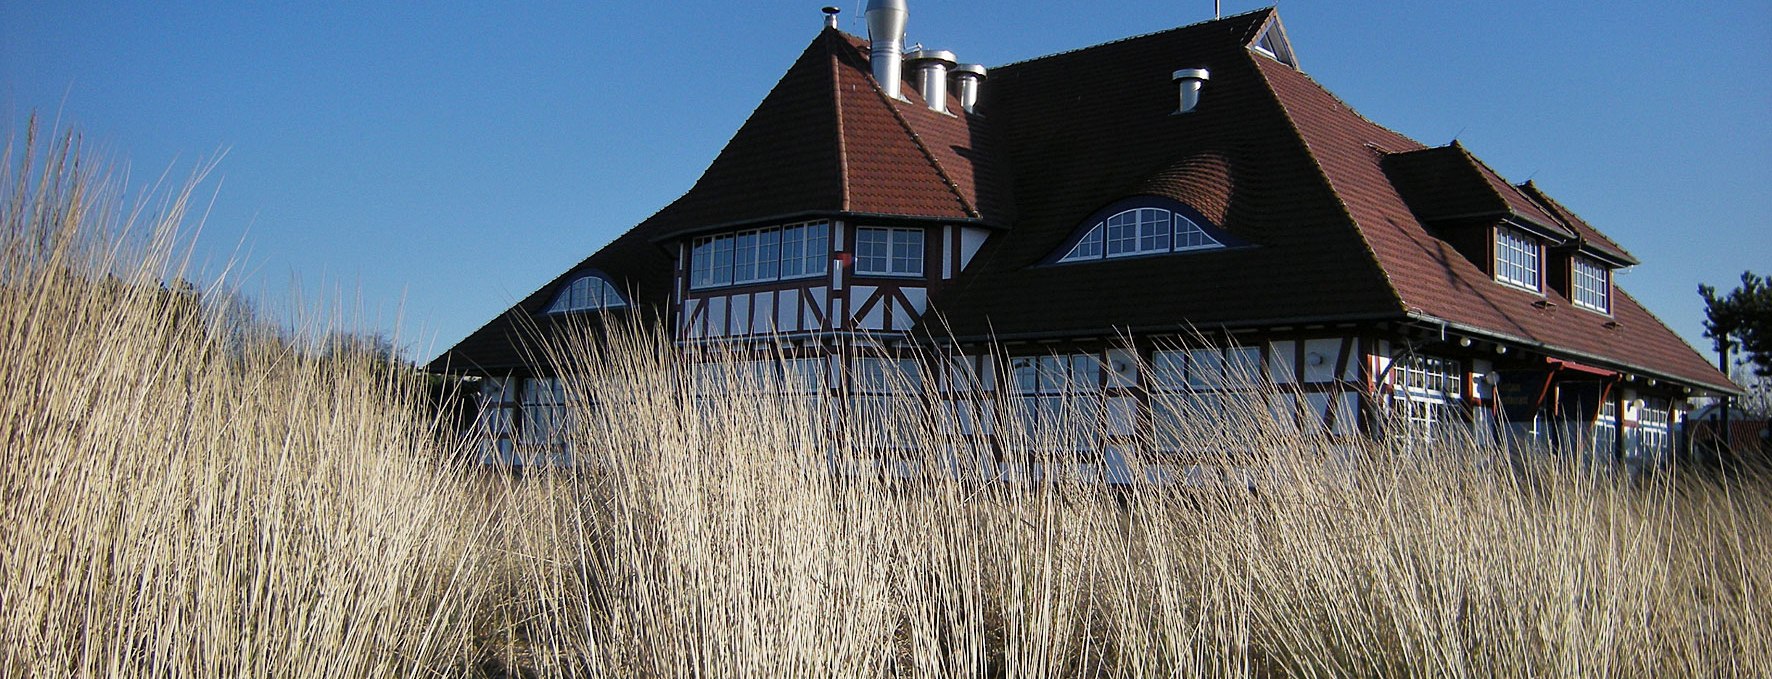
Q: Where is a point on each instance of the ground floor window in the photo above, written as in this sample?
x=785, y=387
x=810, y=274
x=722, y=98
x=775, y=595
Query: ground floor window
x=1653, y=424
x=1426, y=395
x=1194, y=394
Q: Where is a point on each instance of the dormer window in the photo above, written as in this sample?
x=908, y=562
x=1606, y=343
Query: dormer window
x=1141, y=231
x=1590, y=284
x=588, y=292
x=1518, y=258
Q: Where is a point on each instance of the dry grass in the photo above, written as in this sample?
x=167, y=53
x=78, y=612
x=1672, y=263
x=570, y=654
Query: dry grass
x=189, y=494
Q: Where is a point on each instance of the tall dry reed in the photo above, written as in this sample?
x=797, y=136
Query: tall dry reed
x=190, y=493
x=186, y=491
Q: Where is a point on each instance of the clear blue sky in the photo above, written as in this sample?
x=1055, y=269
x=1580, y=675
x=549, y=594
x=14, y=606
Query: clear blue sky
x=447, y=160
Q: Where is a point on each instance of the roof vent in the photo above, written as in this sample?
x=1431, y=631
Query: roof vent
x=1190, y=80
x=932, y=76
x=886, y=19
x=968, y=76
x=830, y=16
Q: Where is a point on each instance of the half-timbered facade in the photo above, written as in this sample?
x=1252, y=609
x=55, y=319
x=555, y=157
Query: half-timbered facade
x=1154, y=225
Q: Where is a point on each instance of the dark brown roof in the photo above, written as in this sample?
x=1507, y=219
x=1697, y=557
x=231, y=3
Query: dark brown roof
x=1435, y=282
x=825, y=141
x=1328, y=207
x=1588, y=237
x=1087, y=128
x=1448, y=183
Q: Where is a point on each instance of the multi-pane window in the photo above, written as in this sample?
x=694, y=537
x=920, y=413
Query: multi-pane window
x=1191, y=390
x=1141, y=231
x=883, y=401
x=1652, y=430
x=1056, y=398
x=1592, y=284
x=1606, y=429
x=1517, y=258
x=1427, y=391
x=545, y=419
x=586, y=292
x=889, y=252
x=760, y=255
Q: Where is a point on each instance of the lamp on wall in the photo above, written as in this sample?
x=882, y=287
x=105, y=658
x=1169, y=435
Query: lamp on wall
x=1314, y=358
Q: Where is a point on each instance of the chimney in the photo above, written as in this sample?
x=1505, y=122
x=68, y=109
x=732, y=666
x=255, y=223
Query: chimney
x=1190, y=80
x=932, y=76
x=968, y=76
x=886, y=19
x=830, y=16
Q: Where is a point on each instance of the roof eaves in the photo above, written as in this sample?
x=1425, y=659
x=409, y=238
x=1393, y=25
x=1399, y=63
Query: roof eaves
x=1550, y=349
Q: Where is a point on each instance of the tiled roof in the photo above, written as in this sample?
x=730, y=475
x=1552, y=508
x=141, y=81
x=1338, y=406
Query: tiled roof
x=1086, y=128
x=824, y=141
x=1589, y=237
x=1330, y=206
x=1448, y=183
x=1434, y=282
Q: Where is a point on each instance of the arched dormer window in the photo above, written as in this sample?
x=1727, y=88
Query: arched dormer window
x=1149, y=226
x=587, y=292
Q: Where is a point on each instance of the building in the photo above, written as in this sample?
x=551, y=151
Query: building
x=1166, y=187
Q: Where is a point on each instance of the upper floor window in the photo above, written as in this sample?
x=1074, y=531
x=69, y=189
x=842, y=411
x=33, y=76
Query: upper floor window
x=760, y=255
x=1591, y=284
x=1517, y=258
x=1141, y=231
x=888, y=252
x=589, y=291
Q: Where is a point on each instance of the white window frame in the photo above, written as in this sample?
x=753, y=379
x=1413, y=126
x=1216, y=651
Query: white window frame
x=1198, y=381
x=1429, y=391
x=894, y=260
x=587, y=292
x=1590, y=284
x=1141, y=231
x=764, y=255
x=1519, y=258
x=1049, y=392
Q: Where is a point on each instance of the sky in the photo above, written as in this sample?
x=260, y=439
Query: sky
x=426, y=165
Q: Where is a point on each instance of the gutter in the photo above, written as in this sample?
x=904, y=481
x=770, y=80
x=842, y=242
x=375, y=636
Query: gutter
x=1549, y=349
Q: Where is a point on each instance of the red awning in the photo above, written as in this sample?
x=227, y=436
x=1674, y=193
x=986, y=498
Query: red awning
x=1561, y=364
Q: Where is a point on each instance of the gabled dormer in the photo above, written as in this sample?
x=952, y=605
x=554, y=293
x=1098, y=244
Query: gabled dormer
x=1492, y=223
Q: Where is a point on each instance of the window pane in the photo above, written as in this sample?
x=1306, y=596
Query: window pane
x=793, y=249
x=701, y=263
x=722, y=270
x=818, y=248
x=1189, y=236
x=1153, y=230
x=1090, y=247
x=1168, y=369
x=768, y=254
x=1122, y=233
x=871, y=250
x=907, y=251
x=744, y=259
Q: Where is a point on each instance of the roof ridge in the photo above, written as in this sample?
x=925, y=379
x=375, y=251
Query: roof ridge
x=837, y=110
x=1317, y=167
x=1574, y=221
x=1271, y=9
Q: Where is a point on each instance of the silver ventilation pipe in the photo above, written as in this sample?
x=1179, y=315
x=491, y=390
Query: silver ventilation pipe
x=830, y=16
x=1190, y=80
x=886, y=19
x=932, y=67
x=968, y=76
